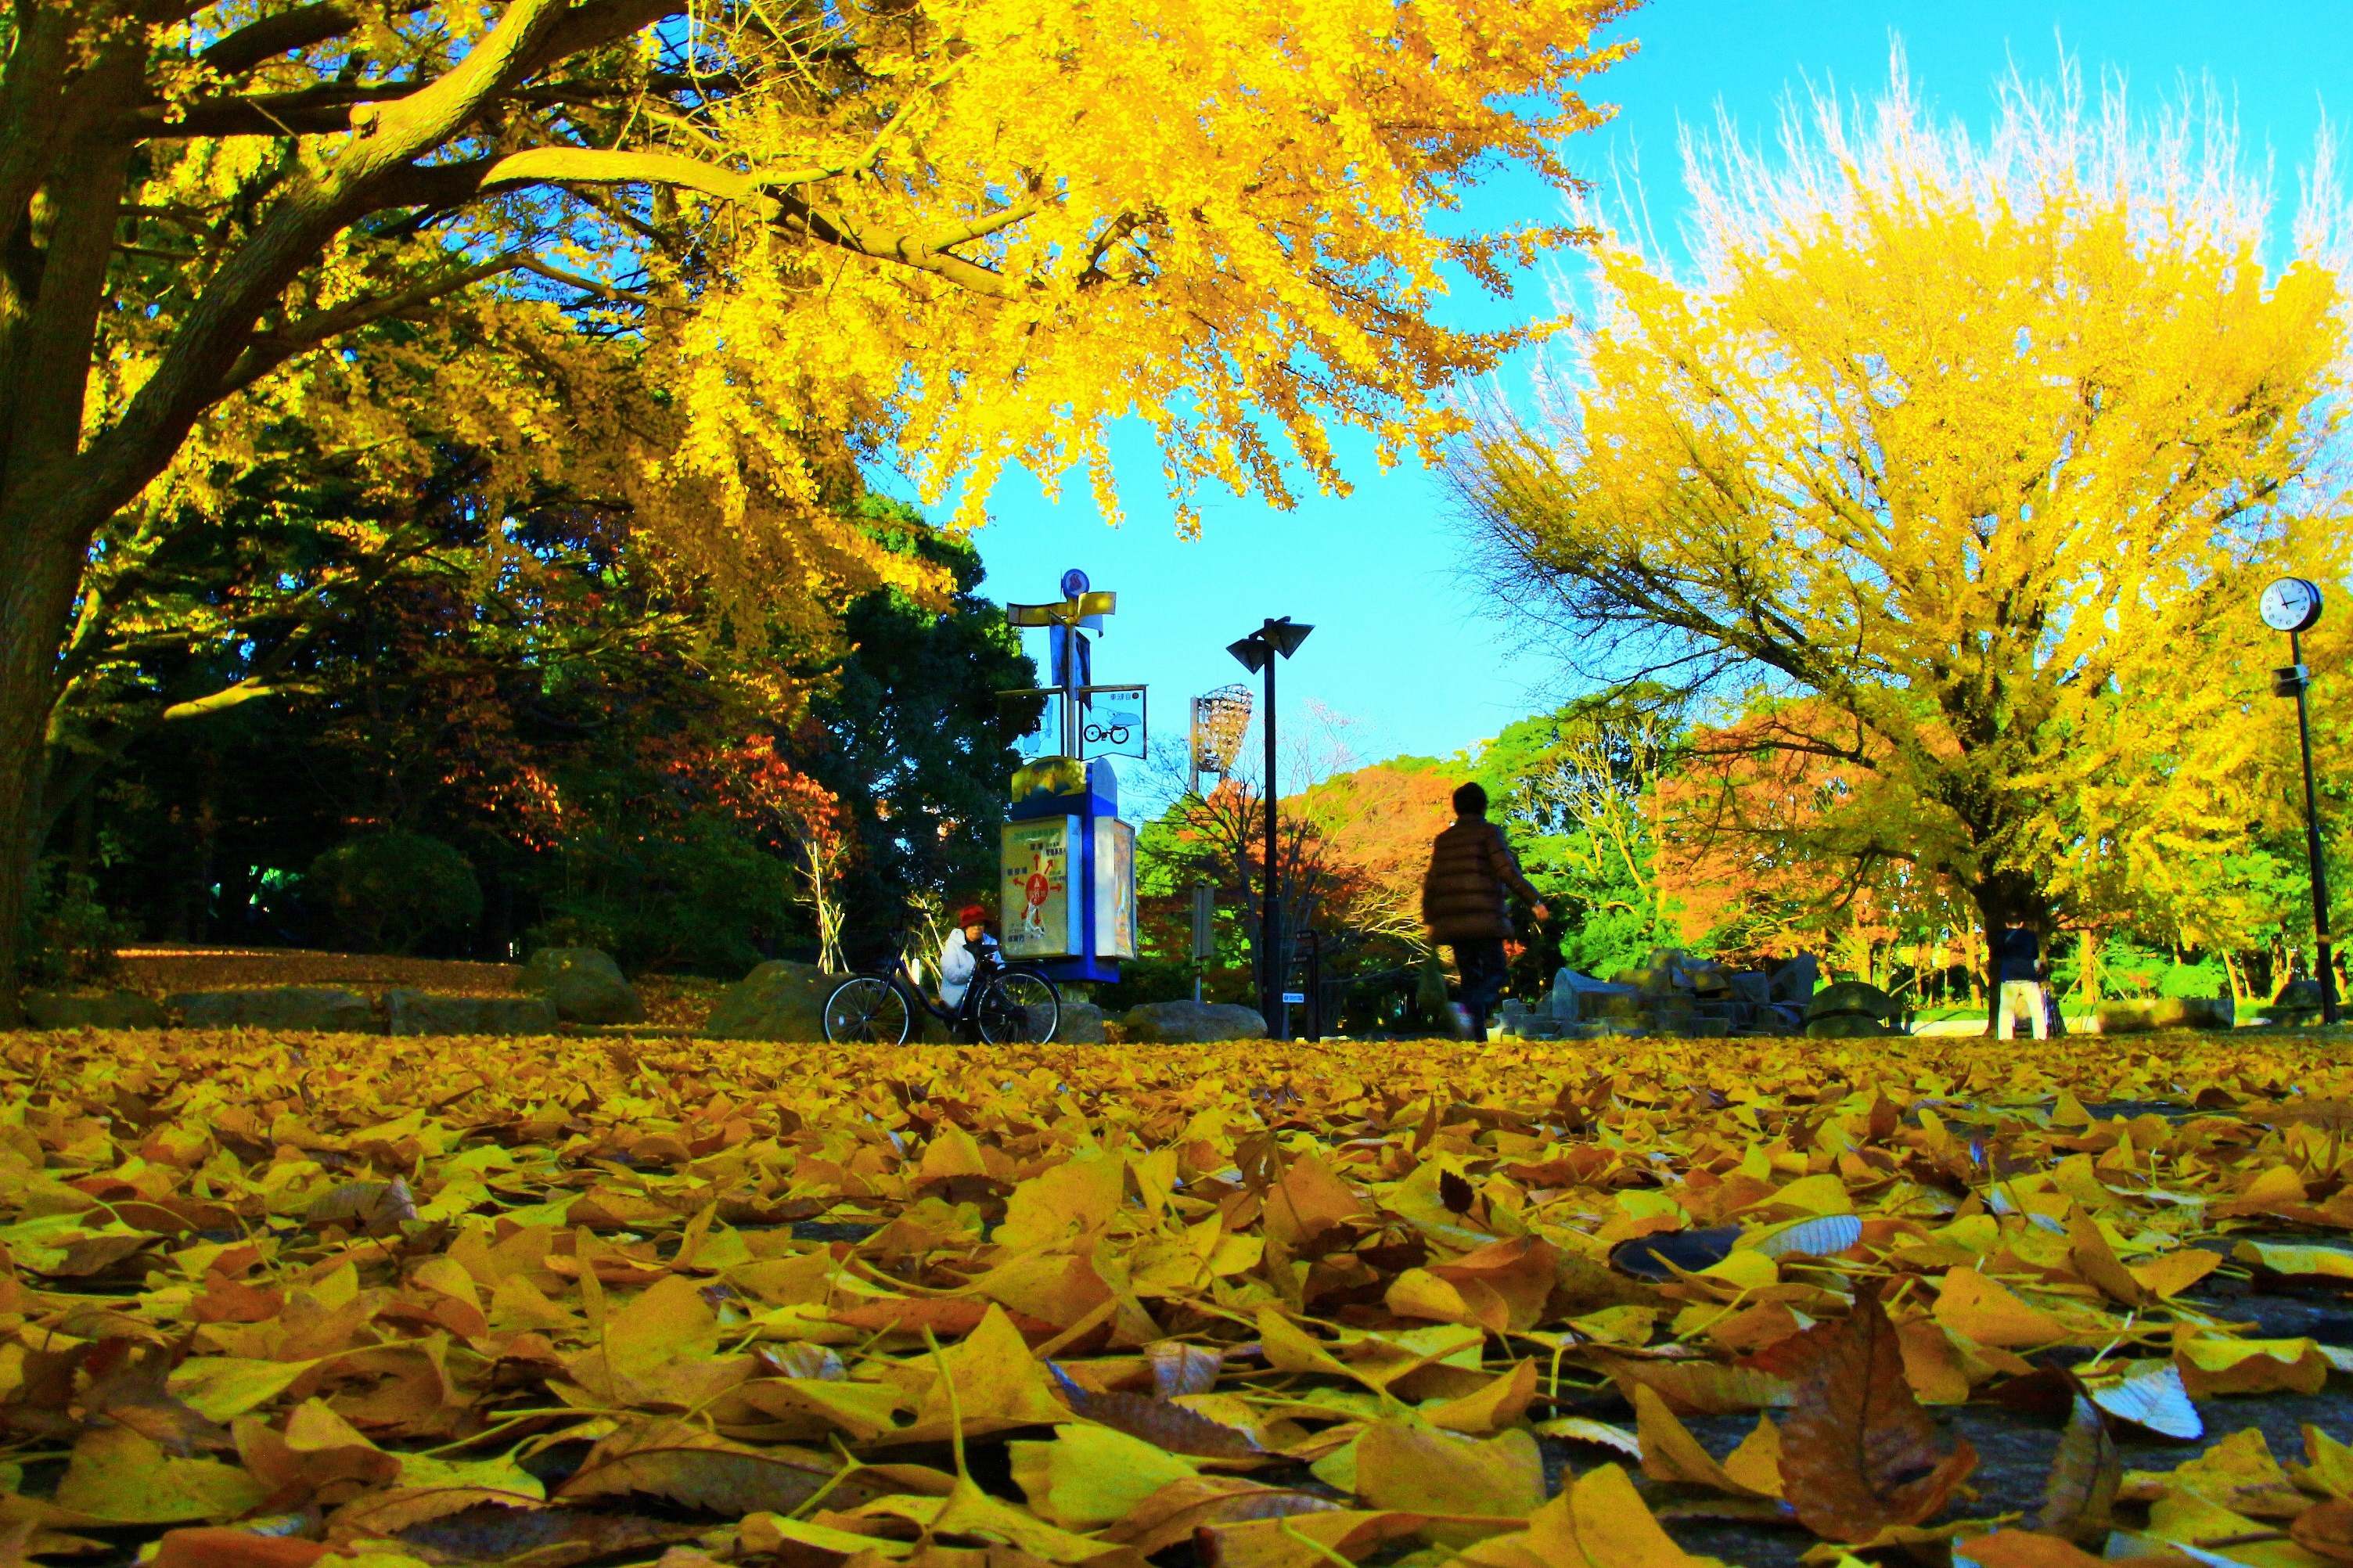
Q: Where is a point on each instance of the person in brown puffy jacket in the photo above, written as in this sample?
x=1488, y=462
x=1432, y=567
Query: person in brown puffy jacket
x=1463, y=903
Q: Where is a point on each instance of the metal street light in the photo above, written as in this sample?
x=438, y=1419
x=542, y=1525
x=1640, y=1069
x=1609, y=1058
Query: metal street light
x=2292, y=605
x=1257, y=653
x=1220, y=719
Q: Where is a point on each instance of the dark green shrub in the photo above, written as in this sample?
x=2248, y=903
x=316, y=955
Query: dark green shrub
x=388, y=892
x=73, y=935
x=700, y=897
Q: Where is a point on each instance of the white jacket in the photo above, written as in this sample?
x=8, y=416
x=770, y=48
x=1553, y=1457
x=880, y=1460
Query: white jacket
x=956, y=963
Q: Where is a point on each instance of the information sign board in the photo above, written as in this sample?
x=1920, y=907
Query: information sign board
x=1040, y=906
x=1114, y=887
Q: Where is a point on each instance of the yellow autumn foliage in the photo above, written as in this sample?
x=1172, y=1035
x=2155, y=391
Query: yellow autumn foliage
x=1970, y=452
x=743, y=1298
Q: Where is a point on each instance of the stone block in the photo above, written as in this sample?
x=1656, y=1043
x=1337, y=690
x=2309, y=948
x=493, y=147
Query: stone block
x=779, y=1000
x=108, y=1010
x=1192, y=1023
x=1082, y=1024
x=1845, y=1027
x=433, y=1013
x=327, y=1008
x=587, y=986
x=1850, y=996
x=2195, y=1013
x=2123, y=1018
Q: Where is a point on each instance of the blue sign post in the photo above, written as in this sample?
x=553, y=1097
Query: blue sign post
x=1067, y=868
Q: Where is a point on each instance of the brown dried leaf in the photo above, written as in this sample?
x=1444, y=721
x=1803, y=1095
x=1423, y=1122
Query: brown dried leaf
x=2084, y=1475
x=220, y=1547
x=375, y=1207
x=550, y=1536
x=1179, y=1368
x=1157, y=1421
x=1173, y=1512
x=694, y=1469
x=1858, y=1451
x=2326, y=1530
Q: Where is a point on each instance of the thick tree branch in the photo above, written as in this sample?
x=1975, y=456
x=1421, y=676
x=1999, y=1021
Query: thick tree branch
x=592, y=166
x=236, y=53
x=267, y=350
x=311, y=112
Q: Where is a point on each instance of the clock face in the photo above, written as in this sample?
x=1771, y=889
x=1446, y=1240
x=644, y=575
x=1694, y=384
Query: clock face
x=2291, y=605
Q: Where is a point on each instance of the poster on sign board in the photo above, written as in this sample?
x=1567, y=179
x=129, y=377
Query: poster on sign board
x=1039, y=914
x=1114, y=888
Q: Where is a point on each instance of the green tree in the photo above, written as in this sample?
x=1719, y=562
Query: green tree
x=909, y=733
x=1576, y=791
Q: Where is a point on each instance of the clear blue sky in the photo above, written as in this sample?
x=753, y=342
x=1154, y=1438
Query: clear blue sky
x=1404, y=645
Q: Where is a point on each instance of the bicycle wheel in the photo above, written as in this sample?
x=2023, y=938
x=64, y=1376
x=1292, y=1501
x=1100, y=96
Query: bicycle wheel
x=866, y=1010
x=1019, y=1007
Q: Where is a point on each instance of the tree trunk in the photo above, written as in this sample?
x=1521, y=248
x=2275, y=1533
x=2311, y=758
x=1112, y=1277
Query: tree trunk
x=38, y=570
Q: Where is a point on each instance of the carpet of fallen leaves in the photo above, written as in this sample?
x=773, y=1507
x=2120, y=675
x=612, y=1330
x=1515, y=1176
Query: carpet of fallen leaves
x=161, y=968
x=269, y=1300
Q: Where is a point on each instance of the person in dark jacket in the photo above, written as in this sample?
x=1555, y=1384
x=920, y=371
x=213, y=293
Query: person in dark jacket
x=2018, y=960
x=1470, y=866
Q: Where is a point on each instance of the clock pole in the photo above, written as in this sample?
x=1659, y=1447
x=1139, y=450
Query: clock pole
x=2292, y=605
x=2326, y=966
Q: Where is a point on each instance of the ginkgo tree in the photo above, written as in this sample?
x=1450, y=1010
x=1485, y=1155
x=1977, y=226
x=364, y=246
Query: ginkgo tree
x=966, y=232
x=1968, y=455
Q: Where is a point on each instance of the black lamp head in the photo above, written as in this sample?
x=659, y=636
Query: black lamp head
x=1286, y=635
x=1252, y=651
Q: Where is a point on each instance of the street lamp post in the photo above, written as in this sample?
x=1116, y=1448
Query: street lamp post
x=1257, y=653
x=2292, y=605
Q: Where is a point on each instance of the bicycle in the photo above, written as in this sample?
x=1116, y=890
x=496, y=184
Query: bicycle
x=1004, y=1005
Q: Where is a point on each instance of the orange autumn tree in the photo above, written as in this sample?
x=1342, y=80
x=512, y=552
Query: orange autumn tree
x=1376, y=825
x=1770, y=842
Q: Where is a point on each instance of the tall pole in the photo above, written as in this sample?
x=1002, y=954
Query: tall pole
x=1270, y=974
x=2327, y=968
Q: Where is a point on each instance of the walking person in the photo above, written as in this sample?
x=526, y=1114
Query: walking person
x=1470, y=866
x=2018, y=960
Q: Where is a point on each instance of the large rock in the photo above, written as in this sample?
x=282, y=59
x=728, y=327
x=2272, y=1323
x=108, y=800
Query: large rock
x=110, y=1010
x=328, y=1008
x=1192, y=1023
x=1082, y=1024
x=2298, y=1002
x=1794, y=981
x=432, y=1013
x=780, y=1000
x=2194, y=1012
x=1850, y=996
x=1577, y=997
x=2165, y=1013
x=1845, y=1027
x=587, y=986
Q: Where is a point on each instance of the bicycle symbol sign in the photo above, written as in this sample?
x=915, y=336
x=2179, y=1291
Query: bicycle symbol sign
x=1111, y=721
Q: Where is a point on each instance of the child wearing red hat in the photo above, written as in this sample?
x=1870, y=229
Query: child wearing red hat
x=959, y=955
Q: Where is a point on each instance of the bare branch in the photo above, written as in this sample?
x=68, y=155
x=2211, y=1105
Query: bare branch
x=585, y=285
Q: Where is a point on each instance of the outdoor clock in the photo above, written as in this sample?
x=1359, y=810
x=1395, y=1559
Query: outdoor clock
x=2291, y=605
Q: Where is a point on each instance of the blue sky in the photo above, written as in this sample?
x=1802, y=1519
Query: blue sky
x=1405, y=645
